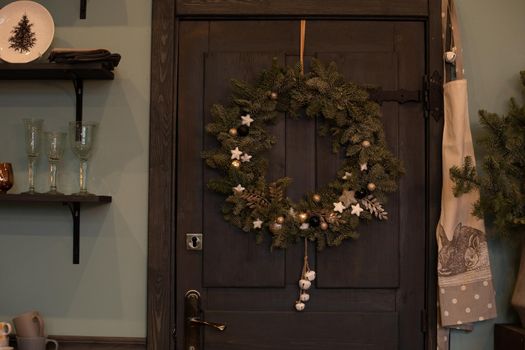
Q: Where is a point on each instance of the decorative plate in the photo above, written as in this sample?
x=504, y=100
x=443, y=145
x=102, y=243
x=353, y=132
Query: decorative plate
x=26, y=31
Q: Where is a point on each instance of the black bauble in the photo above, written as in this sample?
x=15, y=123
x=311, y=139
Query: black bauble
x=360, y=194
x=243, y=130
x=314, y=221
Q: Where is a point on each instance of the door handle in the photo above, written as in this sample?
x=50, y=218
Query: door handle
x=197, y=322
x=193, y=323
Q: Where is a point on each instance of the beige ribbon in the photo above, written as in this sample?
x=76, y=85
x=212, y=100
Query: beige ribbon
x=301, y=54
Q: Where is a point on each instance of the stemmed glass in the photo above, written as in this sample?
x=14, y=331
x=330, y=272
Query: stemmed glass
x=33, y=140
x=55, y=150
x=82, y=139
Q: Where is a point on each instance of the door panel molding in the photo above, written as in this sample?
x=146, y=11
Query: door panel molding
x=302, y=7
x=163, y=130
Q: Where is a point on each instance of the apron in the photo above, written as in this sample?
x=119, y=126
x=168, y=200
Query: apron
x=465, y=290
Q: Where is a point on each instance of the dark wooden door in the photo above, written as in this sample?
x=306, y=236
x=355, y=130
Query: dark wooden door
x=370, y=292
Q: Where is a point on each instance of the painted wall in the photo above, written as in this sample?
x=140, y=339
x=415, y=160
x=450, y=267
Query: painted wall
x=106, y=294
x=494, y=53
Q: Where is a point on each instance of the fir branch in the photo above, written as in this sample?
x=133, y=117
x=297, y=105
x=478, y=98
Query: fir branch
x=465, y=178
x=375, y=208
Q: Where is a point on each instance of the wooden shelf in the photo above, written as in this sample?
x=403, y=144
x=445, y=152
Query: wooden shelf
x=55, y=71
x=53, y=198
x=72, y=201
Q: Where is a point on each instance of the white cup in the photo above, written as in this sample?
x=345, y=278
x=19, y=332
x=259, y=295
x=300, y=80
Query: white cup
x=5, y=330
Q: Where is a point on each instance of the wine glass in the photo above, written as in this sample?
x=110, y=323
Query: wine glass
x=82, y=139
x=55, y=150
x=33, y=140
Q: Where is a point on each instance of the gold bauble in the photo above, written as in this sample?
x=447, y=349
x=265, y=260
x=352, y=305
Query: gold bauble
x=236, y=163
x=371, y=186
x=316, y=198
x=273, y=95
x=365, y=143
x=233, y=132
x=324, y=226
x=280, y=220
x=303, y=217
x=275, y=228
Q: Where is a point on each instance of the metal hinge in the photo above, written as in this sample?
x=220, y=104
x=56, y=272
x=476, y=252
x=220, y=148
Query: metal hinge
x=433, y=95
x=424, y=321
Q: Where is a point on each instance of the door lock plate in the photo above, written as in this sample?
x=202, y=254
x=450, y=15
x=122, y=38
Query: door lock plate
x=194, y=241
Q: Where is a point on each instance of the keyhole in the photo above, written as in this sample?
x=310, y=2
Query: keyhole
x=194, y=242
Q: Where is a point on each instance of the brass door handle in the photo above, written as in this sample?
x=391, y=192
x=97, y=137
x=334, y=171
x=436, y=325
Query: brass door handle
x=195, y=321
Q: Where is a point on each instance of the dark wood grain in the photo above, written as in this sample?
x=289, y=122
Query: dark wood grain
x=190, y=117
x=277, y=299
x=302, y=7
x=319, y=331
x=54, y=71
x=509, y=337
x=47, y=198
x=370, y=261
x=232, y=258
x=434, y=136
x=160, y=295
x=410, y=37
x=161, y=269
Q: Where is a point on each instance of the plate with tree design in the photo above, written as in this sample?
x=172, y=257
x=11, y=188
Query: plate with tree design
x=26, y=31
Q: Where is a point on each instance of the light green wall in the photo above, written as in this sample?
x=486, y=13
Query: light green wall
x=106, y=294
x=494, y=52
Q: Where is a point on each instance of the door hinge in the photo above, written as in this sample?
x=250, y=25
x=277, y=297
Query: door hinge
x=424, y=321
x=433, y=95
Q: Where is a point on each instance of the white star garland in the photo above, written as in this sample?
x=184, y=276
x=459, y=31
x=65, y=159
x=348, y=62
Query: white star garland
x=247, y=120
x=246, y=157
x=356, y=209
x=238, y=189
x=339, y=207
x=347, y=175
x=236, y=153
x=257, y=223
x=364, y=166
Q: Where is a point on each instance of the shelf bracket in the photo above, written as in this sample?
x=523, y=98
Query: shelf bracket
x=79, y=94
x=83, y=7
x=74, y=207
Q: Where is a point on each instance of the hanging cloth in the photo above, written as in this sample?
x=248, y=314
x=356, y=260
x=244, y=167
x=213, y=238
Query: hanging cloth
x=465, y=289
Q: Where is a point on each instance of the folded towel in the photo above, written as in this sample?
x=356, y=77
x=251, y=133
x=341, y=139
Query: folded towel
x=111, y=60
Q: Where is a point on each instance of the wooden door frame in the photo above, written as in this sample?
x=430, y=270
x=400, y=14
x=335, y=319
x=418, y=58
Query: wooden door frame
x=161, y=277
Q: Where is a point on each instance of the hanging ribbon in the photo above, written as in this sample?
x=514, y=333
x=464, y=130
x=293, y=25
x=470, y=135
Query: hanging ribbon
x=301, y=54
x=307, y=275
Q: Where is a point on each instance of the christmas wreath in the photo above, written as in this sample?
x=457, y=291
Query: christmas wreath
x=344, y=110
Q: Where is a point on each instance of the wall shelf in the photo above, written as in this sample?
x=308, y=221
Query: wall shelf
x=72, y=201
x=76, y=73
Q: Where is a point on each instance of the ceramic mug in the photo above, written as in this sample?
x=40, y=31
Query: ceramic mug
x=34, y=343
x=5, y=330
x=6, y=177
x=29, y=324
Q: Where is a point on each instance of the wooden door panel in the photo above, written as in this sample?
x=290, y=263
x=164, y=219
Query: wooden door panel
x=243, y=263
x=372, y=260
x=317, y=331
x=376, y=282
x=348, y=300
